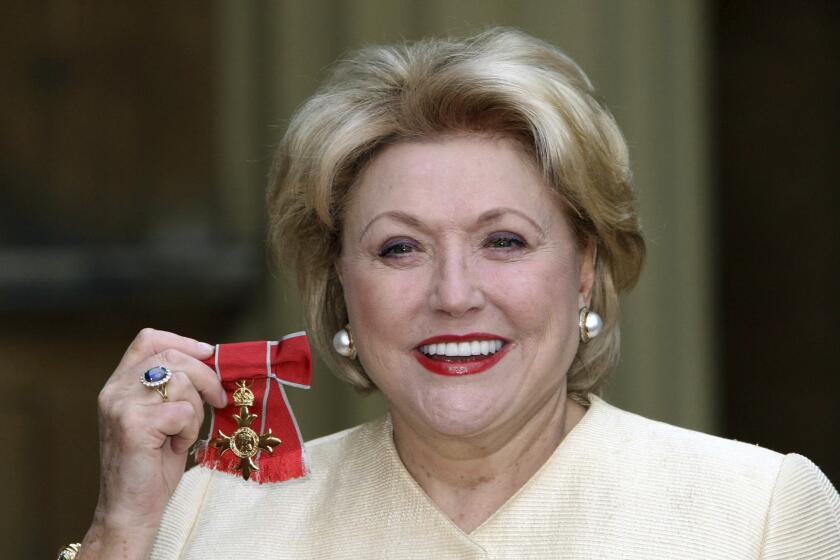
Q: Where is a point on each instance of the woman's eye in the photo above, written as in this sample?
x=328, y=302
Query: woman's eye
x=506, y=241
x=396, y=249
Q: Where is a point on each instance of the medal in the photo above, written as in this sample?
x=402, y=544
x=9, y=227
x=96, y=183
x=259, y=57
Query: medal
x=245, y=442
x=258, y=427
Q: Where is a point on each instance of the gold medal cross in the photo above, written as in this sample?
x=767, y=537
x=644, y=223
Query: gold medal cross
x=245, y=443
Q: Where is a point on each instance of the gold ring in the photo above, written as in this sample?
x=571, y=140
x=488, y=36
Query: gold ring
x=157, y=378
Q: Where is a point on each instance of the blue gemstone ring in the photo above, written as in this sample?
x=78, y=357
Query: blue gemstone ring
x=156, y=378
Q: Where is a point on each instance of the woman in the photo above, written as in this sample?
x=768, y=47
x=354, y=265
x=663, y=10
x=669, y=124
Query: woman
x=461, y=213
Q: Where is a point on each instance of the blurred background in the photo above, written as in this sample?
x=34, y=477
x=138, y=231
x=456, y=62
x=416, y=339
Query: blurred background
x=135, y=139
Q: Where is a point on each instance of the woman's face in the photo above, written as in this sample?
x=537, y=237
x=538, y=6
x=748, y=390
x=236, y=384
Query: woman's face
x=454, y=246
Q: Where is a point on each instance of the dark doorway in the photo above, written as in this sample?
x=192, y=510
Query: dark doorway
x=778, y=190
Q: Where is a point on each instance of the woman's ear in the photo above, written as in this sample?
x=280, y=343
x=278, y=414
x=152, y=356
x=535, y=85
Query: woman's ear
x=588, y=258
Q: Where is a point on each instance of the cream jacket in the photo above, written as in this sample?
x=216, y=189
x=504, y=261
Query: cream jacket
x=619, y=486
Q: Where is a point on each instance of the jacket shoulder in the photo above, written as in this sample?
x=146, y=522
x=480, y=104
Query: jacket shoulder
x=675, y=481
x=804, y=517
x=683, y=452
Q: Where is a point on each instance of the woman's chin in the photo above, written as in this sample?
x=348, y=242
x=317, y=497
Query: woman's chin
x=461, y=414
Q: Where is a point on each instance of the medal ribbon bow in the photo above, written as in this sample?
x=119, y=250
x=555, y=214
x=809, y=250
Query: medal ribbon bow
x=244, y=439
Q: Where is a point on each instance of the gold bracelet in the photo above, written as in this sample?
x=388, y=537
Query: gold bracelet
x=69, y=551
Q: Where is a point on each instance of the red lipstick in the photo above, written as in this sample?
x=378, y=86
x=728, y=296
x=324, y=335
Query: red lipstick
x=475, y=364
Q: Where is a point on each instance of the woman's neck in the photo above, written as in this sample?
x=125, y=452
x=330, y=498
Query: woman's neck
x=470, y=479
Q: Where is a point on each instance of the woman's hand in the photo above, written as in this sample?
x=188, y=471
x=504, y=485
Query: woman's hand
x=144, y=441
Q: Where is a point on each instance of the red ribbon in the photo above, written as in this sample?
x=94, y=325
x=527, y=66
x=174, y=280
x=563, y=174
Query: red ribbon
x=267, y=366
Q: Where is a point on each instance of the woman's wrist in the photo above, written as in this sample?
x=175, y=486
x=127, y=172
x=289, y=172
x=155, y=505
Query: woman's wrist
x=102, y=542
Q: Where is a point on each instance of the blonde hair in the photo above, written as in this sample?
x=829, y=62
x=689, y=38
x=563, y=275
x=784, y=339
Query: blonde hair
x=500, y=81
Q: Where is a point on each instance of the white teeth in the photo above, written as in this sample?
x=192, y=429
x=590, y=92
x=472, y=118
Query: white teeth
x=471, y=348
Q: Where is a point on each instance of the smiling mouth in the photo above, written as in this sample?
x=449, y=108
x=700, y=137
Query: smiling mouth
x=464, y=356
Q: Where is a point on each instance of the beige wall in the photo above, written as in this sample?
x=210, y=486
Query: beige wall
x=648, y=59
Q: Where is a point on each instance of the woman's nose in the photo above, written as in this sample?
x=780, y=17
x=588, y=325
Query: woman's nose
x=457, y=287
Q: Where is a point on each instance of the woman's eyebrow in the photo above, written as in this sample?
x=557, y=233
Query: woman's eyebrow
x=404, y=217
x=497, y=213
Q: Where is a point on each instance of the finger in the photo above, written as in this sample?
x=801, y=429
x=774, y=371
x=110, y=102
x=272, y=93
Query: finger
x=151, y=341
x=199, y=375
x=176, y=420
x=180, y=388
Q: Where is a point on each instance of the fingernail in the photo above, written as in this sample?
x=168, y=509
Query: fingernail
x=224, y=399
x=206, y=347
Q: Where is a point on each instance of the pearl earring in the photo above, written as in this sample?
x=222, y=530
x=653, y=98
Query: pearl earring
x=343, y=343
x=590, y=324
